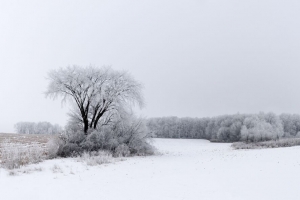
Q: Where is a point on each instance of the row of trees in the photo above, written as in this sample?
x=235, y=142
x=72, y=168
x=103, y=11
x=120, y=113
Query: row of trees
x=228, y=128
x=37, y=128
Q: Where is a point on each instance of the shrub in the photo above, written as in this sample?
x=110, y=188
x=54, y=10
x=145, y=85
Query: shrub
x=96, y=157
x=71, y=150
x=54, y=147
x=123, y=138
x=75, y=137
x=94, y=141
x=122, y=151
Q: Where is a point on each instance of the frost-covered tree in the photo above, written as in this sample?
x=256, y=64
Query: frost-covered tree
x=291, y=124
x=25, y=127
x=99, y=95
x=230, y=129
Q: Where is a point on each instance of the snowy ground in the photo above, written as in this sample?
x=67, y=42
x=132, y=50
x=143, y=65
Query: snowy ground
x=188, y=169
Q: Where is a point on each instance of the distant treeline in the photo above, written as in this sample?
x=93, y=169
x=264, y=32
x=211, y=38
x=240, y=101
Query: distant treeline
x=37, y=128
x=228, y=128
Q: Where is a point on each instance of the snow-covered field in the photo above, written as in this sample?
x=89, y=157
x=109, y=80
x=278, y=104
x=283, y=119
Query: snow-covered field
x=187, y=169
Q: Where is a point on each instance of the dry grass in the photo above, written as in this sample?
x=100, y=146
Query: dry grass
x=284, y=142
x=18, y=143
x=25, y=138
x=15, y=155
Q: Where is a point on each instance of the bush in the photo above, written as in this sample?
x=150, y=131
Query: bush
x=54, y=147
x=76, y=137
x=96, y=157
x=122, y=151
x=141, y=148
x=71, y=150
x=122, y=138
x=94, y=141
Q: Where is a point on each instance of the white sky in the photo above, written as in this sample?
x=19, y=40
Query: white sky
x=196, y=58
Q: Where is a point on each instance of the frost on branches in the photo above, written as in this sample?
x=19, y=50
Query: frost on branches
x=99, y=95
x=101, y=117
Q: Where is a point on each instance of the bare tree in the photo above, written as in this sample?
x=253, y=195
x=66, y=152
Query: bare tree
x=98, y=94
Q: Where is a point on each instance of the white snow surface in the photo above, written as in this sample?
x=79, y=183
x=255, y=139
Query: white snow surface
x=186, y=169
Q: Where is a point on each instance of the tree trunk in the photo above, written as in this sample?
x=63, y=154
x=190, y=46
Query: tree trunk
x=98, y=118
x=86, y=126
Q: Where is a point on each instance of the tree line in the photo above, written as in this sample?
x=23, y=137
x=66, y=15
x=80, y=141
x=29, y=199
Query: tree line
x=228, y=128
x=38, y=128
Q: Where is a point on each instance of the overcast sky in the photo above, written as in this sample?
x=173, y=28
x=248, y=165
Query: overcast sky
x=196, y=58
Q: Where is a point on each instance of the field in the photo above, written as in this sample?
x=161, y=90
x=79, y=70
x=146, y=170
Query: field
x=23, y=139
x=184, y=169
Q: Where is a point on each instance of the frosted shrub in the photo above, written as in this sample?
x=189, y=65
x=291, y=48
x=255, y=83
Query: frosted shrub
x=142, y=148
x=76, y=137
x=122, y=151
x=17, y=155
x=71, y=142
x=94, y=141
x=54, y=147
x=125, y=137
x=70, y=150
x=96, y=157
x=135, y=135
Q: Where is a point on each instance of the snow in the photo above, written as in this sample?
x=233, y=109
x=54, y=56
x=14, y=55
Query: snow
x=186, y=169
